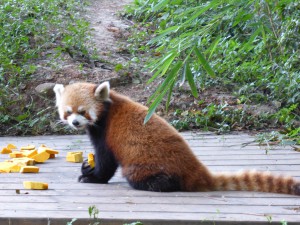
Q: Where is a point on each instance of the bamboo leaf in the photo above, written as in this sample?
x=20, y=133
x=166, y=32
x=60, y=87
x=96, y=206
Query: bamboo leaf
x=154, y=105
x=172, y=74
x=185, y=61
x=190, y=79
x=167, y=64
x=156, y=63
x=204, y=63
x=212, y=4
x=252, y=38
x=163, y=33
x=170, y=94
x=213, y=46
x=167, y=61
x=160, y=5
x=167, y=85
x=263, y=33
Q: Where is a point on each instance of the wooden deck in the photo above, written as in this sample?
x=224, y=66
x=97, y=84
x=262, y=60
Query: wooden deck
x=118, y=203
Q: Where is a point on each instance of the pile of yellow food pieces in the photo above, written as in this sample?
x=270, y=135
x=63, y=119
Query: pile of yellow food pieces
x=24, y=160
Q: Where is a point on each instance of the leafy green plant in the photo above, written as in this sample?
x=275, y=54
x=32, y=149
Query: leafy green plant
x=238, y=38
x=218, y=118
x=252, y=46
x=93, y=212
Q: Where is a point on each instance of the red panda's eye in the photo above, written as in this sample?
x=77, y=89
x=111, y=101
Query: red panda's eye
x=68, y=113
x=82, y=112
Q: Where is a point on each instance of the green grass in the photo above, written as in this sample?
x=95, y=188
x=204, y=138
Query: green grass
x=29, y=29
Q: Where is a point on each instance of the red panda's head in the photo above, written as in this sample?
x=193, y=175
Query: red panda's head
x=81, y=104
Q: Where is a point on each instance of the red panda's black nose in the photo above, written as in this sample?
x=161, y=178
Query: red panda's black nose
x=75, y=123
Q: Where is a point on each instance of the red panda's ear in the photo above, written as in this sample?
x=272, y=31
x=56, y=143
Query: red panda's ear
x=58, y=89
x=102, y=92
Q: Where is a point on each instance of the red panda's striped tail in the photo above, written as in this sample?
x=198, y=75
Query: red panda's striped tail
x=256, y=181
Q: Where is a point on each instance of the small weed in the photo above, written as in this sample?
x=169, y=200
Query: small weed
x=269, y=218
x=71, y=222
x=93, y=212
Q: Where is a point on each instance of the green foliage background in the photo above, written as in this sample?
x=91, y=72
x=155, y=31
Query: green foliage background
x=250, y=46
x=28, y=28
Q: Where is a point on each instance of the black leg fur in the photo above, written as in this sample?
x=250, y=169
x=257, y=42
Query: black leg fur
x=88, y=174
x=159, y=183
x=86, y=169
x=105, y=162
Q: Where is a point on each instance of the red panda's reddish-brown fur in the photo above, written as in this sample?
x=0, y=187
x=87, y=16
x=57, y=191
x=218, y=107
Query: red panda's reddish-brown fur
x=144, y=151
x=156, y=145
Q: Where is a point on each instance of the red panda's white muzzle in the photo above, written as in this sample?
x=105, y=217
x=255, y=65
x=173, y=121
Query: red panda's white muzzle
x=77, y=121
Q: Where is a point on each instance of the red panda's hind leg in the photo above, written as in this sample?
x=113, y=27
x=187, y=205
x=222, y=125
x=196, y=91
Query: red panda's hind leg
x=159, y=182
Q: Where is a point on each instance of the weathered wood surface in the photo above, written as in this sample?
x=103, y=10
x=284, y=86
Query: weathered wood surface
x=118, y=203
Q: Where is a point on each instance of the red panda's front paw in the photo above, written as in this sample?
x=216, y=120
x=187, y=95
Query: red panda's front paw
x=86, y=169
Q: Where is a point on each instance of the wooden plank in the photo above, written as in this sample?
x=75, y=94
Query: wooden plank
x=117, y=202
x=287, y=202
x=155, y=208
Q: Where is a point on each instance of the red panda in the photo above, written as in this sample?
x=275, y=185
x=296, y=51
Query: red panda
x=153, y=156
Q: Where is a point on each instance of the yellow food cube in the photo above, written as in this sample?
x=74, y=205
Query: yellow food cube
x=11, y=146
x=16, y=155
x=77, y=152
x=29, y=169
x=28, y=147
x=6, y=150
x=35, y=185
x=24, y=161
x=9, y=167
x=91, y=160
x=74, y=157
x=43, y=148
x=49, y=150
x=41, y=157
x=29, y=153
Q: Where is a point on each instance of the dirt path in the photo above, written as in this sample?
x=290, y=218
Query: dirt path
x=106, y=25
x=108, y=31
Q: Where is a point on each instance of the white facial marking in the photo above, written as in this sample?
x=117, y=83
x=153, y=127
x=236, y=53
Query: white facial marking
x=93, y=114
x=77, y=121
x=69, y=109
x=61, y=113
